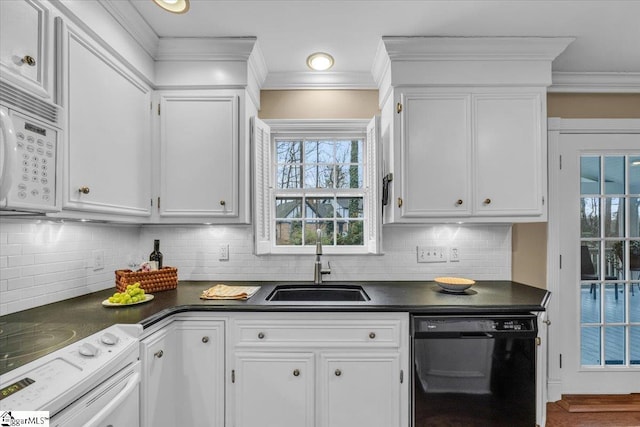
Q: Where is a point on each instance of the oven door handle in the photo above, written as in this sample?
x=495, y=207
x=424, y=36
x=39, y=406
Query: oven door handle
x=132, y=383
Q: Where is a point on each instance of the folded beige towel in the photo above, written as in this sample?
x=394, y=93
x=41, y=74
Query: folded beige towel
x=220, y=291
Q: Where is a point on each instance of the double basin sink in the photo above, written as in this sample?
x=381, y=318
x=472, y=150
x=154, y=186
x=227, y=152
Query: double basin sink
x=322, y=292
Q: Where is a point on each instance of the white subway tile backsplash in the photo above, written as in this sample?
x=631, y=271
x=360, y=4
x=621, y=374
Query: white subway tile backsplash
x=46, y=261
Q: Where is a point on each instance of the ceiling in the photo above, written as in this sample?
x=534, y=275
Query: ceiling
x=607, y=32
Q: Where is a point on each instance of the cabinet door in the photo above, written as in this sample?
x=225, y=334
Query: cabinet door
x=510, y=149
x=108, y=142
x=435, y=155
x=274, y=389
x=200, y=384
x=160, y=356
x=360, y=389
x=199, y=155
x=25, y=45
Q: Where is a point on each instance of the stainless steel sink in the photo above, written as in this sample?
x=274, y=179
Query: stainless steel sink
x=324, y=292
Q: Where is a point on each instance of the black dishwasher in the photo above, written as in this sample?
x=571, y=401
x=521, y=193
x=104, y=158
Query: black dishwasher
x=474, y=370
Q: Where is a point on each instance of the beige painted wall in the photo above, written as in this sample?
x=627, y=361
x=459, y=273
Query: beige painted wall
x=529, y=241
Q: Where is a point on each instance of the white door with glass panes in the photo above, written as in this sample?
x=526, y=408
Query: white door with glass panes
x=599, y=280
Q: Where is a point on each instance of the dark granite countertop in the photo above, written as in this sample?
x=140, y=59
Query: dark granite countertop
x=85, y=315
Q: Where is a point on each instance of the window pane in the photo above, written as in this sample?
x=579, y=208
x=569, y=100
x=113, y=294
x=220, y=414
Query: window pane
x=614, y=175
x=590, y=303
x=613, y=217
x=589, y=175
x=349, y=151
x=634, y=217
x=349, y=207
x=349, y=233
x=634, y=302
x=590, y=261
x=318, y=176
x=589, y=217
x=634, y=258
x=289, y=207
x=634, y=174
x=288, y=152
x=289, y=233
x=318, y=152
x=614, y=348
x=613, y=263
x=311, y=232
x=349, y=176
x=319, y=208
x=289, y=176
x=590, y=345
x=614, y=302
x=634, y=344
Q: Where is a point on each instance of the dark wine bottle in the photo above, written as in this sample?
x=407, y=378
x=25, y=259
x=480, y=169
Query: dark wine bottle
x=156, y=255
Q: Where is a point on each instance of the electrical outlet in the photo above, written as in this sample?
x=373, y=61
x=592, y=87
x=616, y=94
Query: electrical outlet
x=98, y=260
x=454, y=255
x=431, y=254
x=224, y=253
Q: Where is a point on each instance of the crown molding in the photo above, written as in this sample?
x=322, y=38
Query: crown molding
x=129, y=18
x=595, y=82
x=475, y=48
x=319, y=80
x=205, y=48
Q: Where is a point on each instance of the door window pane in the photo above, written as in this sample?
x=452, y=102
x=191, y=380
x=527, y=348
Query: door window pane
x=614, y=303
x=590, y=345
x=634, y=175
x=590, y=302
x=614, y=174
x=613, y=217
x=589, y=217
x=634, y=217
x=614, y=348
x=634, y=345
x=589, y=175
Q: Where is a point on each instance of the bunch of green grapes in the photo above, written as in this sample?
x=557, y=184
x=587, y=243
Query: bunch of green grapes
x=133, y=293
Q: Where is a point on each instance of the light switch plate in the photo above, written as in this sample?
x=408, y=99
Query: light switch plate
x=431, y=254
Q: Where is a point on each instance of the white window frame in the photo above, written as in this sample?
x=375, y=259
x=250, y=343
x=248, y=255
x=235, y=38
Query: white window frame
x=264, y=134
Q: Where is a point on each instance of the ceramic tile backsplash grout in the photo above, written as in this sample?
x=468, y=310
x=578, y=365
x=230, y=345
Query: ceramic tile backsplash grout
x=46, y=261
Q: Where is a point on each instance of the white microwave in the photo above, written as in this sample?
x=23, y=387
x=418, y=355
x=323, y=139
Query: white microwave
x=28, y=168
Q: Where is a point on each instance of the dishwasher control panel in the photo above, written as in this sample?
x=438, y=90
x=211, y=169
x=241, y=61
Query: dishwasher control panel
x=469, y=324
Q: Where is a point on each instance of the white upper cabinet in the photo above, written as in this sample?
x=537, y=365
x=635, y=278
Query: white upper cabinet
x=108, y=139
x=26, y=46
x=199, y=154
x=464, y=132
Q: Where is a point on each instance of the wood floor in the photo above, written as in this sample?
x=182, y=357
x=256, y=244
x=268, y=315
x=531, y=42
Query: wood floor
x=595, y=411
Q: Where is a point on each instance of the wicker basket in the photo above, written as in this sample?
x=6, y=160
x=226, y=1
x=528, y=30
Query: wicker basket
x=151, y=281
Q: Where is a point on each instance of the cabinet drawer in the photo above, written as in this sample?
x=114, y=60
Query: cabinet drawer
x=314, y=333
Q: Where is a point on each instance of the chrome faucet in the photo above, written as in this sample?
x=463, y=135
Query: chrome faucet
x=317, y=267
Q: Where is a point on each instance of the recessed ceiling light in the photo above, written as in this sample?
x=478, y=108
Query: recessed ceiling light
x=173, y=6
x=320, y=61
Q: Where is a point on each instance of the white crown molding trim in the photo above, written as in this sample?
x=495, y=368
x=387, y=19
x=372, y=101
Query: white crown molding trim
x=129, y=18
x=474, y=48
x=595, y=82
x=319, y=80
x=205, y=48
x=315, y=126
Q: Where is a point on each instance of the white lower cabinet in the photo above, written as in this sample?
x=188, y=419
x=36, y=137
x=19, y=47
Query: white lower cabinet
x=183, y=375
x=311, y=369
x=274, y=389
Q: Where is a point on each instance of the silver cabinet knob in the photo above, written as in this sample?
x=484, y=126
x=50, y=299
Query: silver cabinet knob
x=296, y=372
x=205, y=339
x=83, y=190
x=260, y=335
x=372, y=335
x=222, y=203
x=338, y=372
x=459, y=202
x=158, y=354
x=487, y=201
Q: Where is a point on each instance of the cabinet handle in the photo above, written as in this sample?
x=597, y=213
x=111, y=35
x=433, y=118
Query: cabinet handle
x=459, y=202
x=158, y=354
x=296, y=372
x=260, y=335
x=338, y=372
x=399, y=202
x=29, y=60
x=222, y=203
x=372, y=335
x=546, y=322
x=205, y=339
x=83, y=190
x=487, y=201
x=399, y=108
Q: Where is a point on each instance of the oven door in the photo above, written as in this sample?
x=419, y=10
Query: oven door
x=114, y=403
x=474, y=372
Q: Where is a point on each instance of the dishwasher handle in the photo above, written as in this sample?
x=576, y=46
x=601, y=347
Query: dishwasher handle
x=132, y=383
